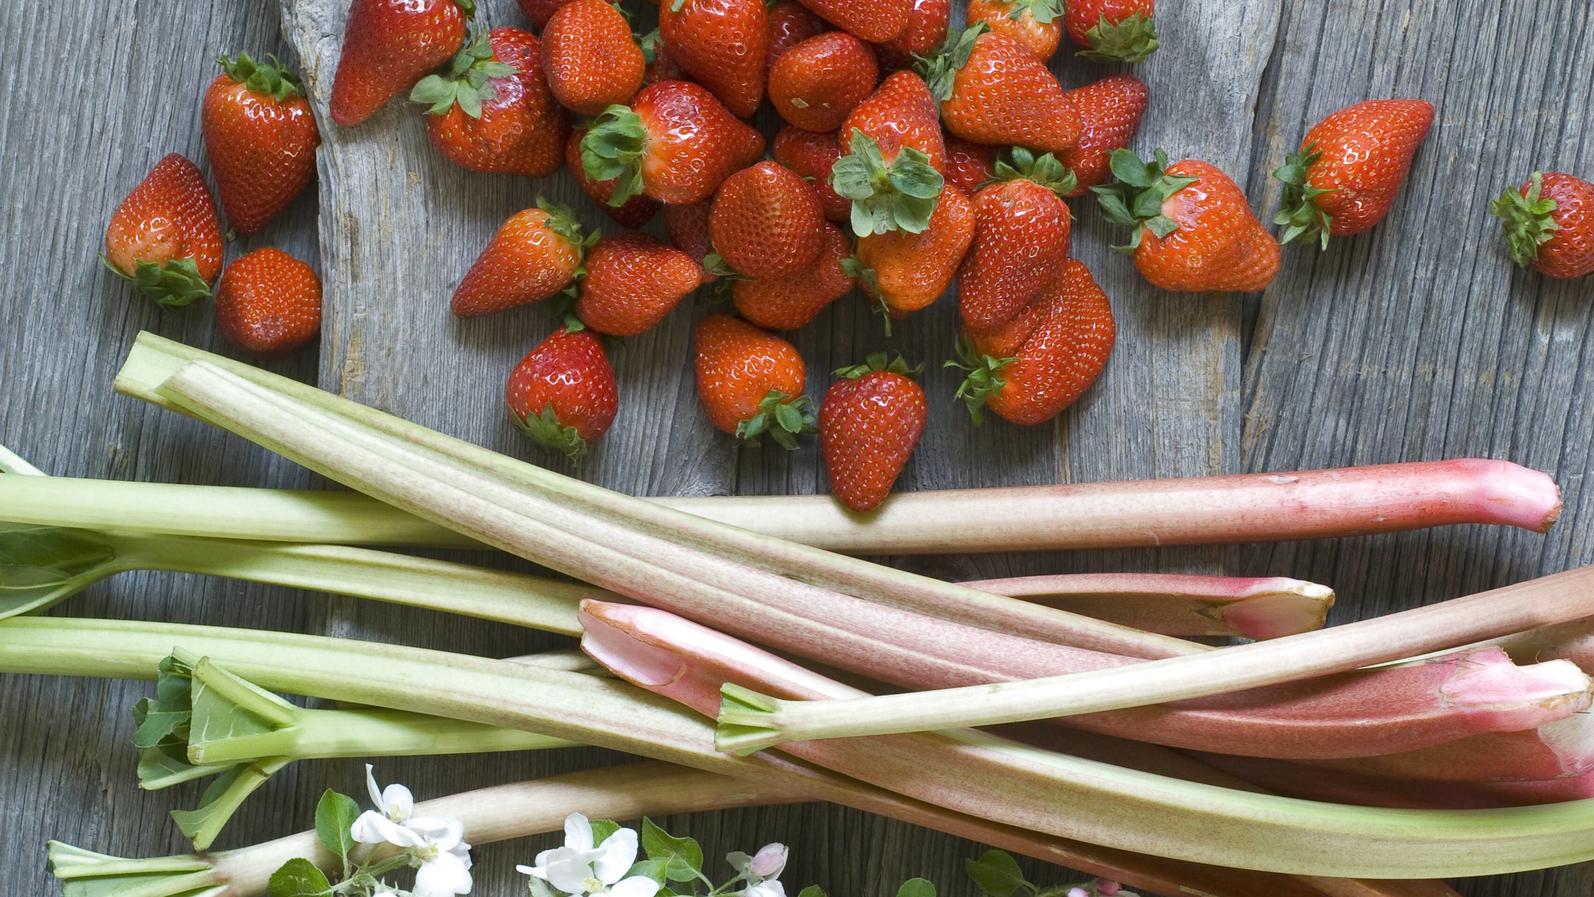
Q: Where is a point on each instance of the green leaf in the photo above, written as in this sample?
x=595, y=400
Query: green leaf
x=612, y=150
x=996, y=874
x=43, y=565
x=175, y=284
x=1526, y=220
x=334, y=816
x=1131, y=39
x=916, y=887
x=298, y=877
x=222, y=799
x=602, y=829
x=811, y=891
x=654, y=869
x=1130, y=168
x=683, y=856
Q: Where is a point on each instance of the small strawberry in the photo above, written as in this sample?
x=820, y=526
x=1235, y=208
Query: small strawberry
x=164, y=238
x=907, y=272
x=540, y=11
x=1037, y=24
x=268, y=302
x=562, y=394
x=790, y=23
x=660, y=67
x=634, y=213
x=993, y=90
x=1549, y=223
x=260, y=138
x=534, y=255
x=388, y=45
x=818, y=83
x=1020, y=242
x=894, y=156
x=875, y=21
x=766, y=222
x=1193, y=230
x=1113, y=30
x=675, y=143
x=787, y=303
x=869, y=423
x=720, y=44
x=1349, y=168
x=1055, y=362
x=927, y=24
x=751, y=382
x=590, y=58
x=969, y=166
x=688, y=230
x=1110, y=111
x=814, y=157
x=632, y=282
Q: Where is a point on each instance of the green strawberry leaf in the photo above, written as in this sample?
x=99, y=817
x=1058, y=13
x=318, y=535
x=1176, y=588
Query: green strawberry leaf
x=1527, y=221
x=1130, y=40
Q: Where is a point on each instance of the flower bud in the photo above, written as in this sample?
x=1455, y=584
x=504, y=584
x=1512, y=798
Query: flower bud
x=769, y=862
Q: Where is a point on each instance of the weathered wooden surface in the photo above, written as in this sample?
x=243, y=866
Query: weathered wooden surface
x=1416, y=341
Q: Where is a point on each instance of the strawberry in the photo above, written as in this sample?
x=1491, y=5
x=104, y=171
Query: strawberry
x=1006, y=339
x=869, y=423
x=875, y=21
x=1349, y=168
x=1110, y=111
x=1020, y=241
x=534, y=255
x=388, y=45
x=1112, y=30
x=1549, y=223
x=969, y=166
x=562, y=394
x=660, y=67
x=540, y=11
x=927, y=25
x=493, y=112
x=675, y=143
x=787, y=303
x=817, y=83
x=790, y=23
x=894, y=156
x=814, y=157
x=635, y=212
x=766, y=222
x=993, y=90
x=721, y=45
x=260, y=138
x=164, y=238
x=268, y=302
x=589, y=57
x=688, y=230
x=1037, y=24
x=632, y=282
x=751, y=382
x=907, y=272
x=1193, y=231
x=1061, y=356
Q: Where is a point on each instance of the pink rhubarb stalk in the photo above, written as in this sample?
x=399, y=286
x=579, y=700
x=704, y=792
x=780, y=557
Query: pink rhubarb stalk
x=1349, y=787
x=1562, y=749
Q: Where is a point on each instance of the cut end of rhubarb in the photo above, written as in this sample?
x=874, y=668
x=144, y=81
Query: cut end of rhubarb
x=745, y=721
x=1513, y=494
x=1278, y=607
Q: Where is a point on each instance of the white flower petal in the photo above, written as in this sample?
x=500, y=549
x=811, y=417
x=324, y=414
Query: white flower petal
x=769, y=888
x=569, y=874
x=635, y=886
x=442, y=876
x=370, y=786
x=372, y=827
x=618, y=853
x=444, y=832
x=578, y=832
x=397, y=802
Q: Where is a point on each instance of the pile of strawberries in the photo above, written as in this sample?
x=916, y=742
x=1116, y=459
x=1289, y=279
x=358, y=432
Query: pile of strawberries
x=910, y=158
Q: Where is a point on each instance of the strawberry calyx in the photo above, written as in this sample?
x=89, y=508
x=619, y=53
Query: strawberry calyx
x=612, y=150
x=868, y=280
x=879, y=361
x=716, y=265
x=269, y=78
x=1527, y=220
x=901, y=195
x=173, y=284
x=468, y=82
x=562, y=221
x=1136, y=193
x=652, y=42
x=782, y=418
x=939, y=70
x=984, y=378
x=1131, y=39
x=1043, y=12
x=1044, y=170
x=468, y=7
x=545, y=429
x=1300, y=215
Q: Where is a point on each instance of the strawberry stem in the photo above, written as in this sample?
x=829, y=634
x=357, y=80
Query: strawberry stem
x=1527, y=221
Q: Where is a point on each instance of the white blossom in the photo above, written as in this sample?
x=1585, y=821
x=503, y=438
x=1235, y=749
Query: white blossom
x=583, y=869
x=435, y=844
x=761, y=870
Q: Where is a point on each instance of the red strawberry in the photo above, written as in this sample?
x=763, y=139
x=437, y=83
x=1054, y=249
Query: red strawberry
x=907, y=272
x=766, y=222
x=813, y=156
x=534, y=255
x=660, y=67
x=818, y=83
x=1009, y=337
x=787, y=303
x=1110, y=110
x=589, y=57
x=1020, y=239
x=1349, y=168
x=260, y=138
x=540, y=11
x=1549, y=224
x=790, y=23
x=927, y=25
x=721, y=44
x=562, y=394
x=688, y=230
x=969, y=166
x=993, y=90
x=894, y=156
x=875, y=21
x=900, y=114
x=164, y=238
x=1054, y=364
x=268, y=302
x=632, y=282
x=751, y=382
x=1200, y=236
x=494, y=112
x=1113, y=30
x=1037, y=24
x=870, y=422
x=675, y=143
x=636, y=212
x=388, y=45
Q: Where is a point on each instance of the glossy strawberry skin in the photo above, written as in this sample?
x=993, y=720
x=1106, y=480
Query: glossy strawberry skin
x=1365, y=154
x=1004, y=96
x=633, y=281
x=526, y=261
x=813, y=155
x=1110, y=111
x=1218, y=244
x=1570, y=250
x=721, y=44
x=589, y=57
x=911, y=271
x=695, y=142
x=568, y=374
x=1082, y=15
x=633, y=213
x=766, y=222
x=901, y=112
x=927, y=26
x=790, y=23
x=818, y=83
x=261, y=150
x=868, y=428
x=388, y=45
x=1006, y=339
x=787, y=303
x=1020, y=245
x=269, y=303
x=540, y=11
x=969, y=166
x=875, y=21
x=738, y=365
x=521, y=129
x=168, y=217
x=1063, y=355
x=1040, y=38
x=688, y=230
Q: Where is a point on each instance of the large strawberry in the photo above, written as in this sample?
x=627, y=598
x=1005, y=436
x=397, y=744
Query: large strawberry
x=535, y=255
x=790, y=23
x=1349, y=168
x=493, y=111
x=260, y=138
x=1193, y=230
x=875, y=21
x=813, y=156
x=1020, y=242
x=675, y=143
x=969, y=166
x=634, y=213
x=787, y=303
x=632, y=281
x=1064, y=352
x=720, y=43
x=751, y=382
x=1037, y=24
x=165, y=238
x=766, y=222
x=268, y=302
x=540, y=11
x=1110, y=111
x=1549, y=223
x=562, y=394
x=907, y=272
x=894, y=153
x=993, y=90
x=816, y=84
x=927, y=24
x=388, y=45
x=1113, y=30
x=590, y=58
x=869, y=423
